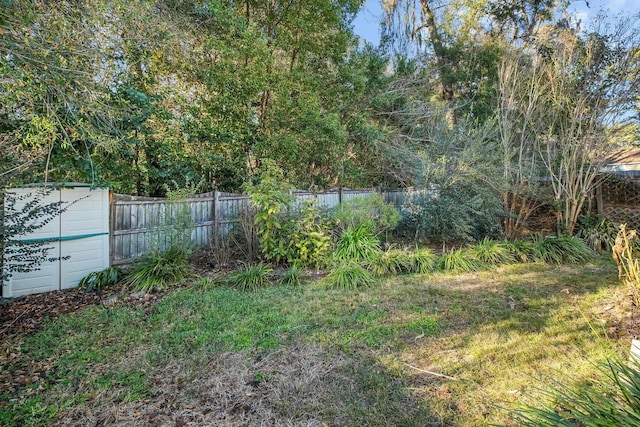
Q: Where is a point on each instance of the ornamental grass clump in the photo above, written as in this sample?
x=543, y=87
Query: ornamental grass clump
x=423, y=261
x=491, y=252
x=357, y=244
x=160, y=269
x=251, y=277
x=349, y=275
x=561, y=250
x=293, y=276
x=390, y=262
x=520, y=250
x=459, y=260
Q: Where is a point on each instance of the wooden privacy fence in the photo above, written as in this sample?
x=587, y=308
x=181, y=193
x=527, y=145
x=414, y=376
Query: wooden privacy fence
x=139, y=225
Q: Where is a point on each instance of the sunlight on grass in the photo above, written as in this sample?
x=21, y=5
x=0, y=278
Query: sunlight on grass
x=497, y=332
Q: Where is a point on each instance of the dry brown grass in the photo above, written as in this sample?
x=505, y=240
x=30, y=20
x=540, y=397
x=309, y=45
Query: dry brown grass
x=298, y=385
x=310, y=356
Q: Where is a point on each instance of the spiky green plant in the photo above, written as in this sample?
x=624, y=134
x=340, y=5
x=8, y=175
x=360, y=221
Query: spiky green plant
x=390, y=262
x=98, y=280
x=293, y=276
x=561, y=250
x=460, y=260
x=423, y=261
x=357, y=244
x=521, y=251
x=349, y=275
x=160, y=269
x=612, y=399
x=492, y=252
x=251, y=277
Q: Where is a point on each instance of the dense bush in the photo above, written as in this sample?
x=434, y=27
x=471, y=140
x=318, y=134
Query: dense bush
x=371, y=212
x=456, y=213
x=286, y=232
x=272, y=198
x=308, y=240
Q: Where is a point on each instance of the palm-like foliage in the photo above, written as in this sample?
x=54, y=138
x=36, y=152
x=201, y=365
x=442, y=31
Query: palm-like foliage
x=611, y=400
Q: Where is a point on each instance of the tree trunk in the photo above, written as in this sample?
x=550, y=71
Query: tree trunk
x=440, y=53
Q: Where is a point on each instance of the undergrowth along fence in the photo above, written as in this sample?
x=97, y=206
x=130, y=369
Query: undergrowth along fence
x=139, y=225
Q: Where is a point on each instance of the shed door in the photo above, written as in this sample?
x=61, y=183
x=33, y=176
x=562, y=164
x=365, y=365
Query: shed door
x=80, y=242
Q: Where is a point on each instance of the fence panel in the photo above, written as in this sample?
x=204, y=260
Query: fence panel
x=141, y=224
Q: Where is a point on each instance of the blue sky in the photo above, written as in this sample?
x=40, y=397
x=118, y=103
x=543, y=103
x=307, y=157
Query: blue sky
x=367, y=23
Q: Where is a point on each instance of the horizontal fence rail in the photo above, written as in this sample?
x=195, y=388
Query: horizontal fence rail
x=140, y=225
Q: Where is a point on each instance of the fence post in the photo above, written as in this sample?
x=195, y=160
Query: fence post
x=112, y=229
x=216, y=216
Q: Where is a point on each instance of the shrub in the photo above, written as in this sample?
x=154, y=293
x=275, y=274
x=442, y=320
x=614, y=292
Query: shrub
x=251, y=278
x=457, y=213
x=460, y=260
x=423, y=260
x=349, y=275
x=98, y=280
x=599, y=234
x=371, y=212
x=272, y=198
x=392, y=261
x=309, y=240
x=491, y=252
x=159, y=269
x=357, y=244
x=609, y=400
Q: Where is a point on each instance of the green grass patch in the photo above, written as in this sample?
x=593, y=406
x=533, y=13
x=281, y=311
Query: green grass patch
x=492, y=330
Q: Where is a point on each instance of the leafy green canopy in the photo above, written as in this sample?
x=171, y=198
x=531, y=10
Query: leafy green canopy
x=139, y=94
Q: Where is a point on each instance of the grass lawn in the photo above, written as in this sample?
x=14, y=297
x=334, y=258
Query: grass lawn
x=416, y=350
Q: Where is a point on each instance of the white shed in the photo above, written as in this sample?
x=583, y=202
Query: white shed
x=78, y=236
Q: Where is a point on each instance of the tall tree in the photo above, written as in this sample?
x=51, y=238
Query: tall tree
x=581, y=87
